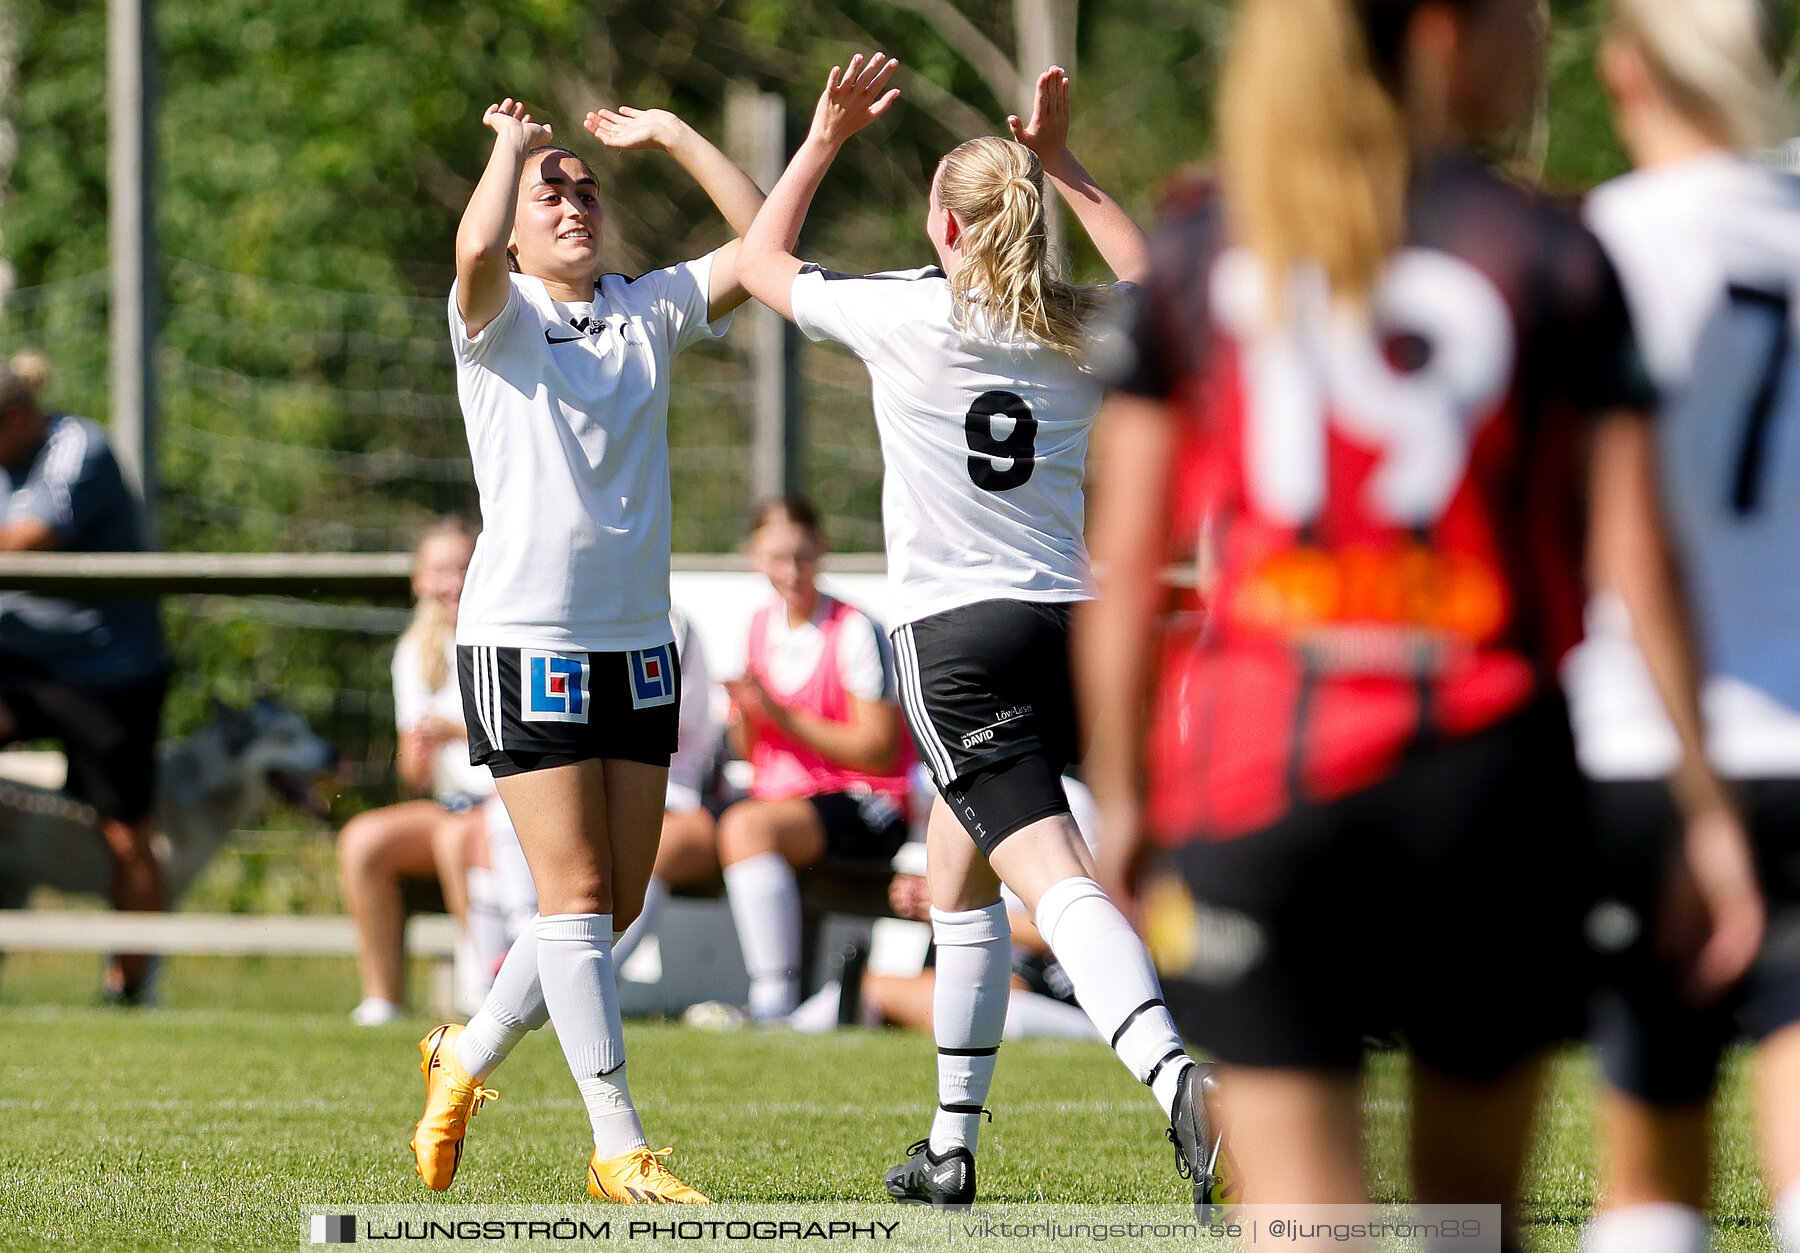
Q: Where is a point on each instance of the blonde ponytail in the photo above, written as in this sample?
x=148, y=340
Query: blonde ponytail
x=1715, y=60
x=995, y=187
x=430, y=633
x=1314, y=154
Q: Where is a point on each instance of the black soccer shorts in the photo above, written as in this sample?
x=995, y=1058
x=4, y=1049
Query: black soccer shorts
x=1443, y=906
x=534, y=708
x=988, y=695
x=1654, y=1042
x=107, y=734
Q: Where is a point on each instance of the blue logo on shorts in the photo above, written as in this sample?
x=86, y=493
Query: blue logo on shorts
x=653, y=677
x=555, y=687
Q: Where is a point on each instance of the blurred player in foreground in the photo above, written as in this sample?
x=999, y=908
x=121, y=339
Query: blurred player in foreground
x=1708, y=249
x=564, y=647
x=984, y=403
x=1358, y=381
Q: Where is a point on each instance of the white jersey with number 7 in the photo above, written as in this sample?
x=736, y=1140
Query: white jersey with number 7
x=984, y=439
x=1708, y=252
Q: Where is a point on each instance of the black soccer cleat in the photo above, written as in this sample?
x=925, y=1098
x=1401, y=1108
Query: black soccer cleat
x=1196, y=1140
x=925, y=1179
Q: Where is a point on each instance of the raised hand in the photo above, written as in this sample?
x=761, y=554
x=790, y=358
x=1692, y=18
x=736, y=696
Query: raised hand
x=854, y=97
x=509, y=120
x=1048, y=133
x=627, y=127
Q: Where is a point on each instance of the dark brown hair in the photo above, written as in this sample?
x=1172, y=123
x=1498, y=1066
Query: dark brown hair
x=796, y=509
x=539, y=153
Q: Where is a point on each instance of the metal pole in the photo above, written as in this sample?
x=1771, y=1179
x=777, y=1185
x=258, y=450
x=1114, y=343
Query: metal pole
x=756, y=136
x=1044, y=32
x=131, y=100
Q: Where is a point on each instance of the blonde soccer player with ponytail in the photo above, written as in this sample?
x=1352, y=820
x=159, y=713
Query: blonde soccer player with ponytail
x=1708, y=248
x=984, y=402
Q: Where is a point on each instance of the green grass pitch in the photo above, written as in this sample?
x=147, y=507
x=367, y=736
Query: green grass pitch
x=191, y=1127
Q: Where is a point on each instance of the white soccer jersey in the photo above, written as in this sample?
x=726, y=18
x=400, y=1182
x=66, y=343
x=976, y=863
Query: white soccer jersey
x=1708, y=252
x=793, y=653
x=984, y=442
x=567, y=412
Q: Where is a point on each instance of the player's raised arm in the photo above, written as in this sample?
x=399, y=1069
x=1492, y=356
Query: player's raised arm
x=481, y=273
x=853, y=97
x=732, y=192
x=1120, y=240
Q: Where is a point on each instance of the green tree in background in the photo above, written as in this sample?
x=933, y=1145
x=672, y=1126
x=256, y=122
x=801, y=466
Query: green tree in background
x=315, y=158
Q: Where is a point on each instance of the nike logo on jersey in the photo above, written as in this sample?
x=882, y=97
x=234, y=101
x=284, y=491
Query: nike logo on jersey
x=591, y=326
x=585, y=326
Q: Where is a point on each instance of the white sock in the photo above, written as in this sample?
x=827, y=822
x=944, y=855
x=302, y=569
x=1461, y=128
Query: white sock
x=617, y=1128
x=372, y=1011
x=513, y=1009
x=1658, y=1227
x=487, y=923
x=655, y=893
x=576, y=968
x=467, y=982
x=1115, y=983
x=968, y=1013
x=765, y=906
x=1787, y=1219
x=818, y=1013
x=1031, y=1014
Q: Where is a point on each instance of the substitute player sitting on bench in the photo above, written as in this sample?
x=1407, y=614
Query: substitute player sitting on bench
x=817, y=721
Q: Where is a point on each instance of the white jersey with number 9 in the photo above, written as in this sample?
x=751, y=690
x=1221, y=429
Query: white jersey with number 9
x=984, y=441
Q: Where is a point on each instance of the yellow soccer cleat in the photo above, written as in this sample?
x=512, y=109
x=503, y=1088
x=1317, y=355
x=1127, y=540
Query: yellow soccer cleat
x=639, y=1176
x=451, y=1099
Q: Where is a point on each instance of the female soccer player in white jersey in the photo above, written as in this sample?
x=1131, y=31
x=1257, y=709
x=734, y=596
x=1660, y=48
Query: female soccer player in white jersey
x=1707, y=245
x=569, y=673
x=984, y=406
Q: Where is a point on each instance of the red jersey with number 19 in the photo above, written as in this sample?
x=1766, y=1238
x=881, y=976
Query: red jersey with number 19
x=1381, y=505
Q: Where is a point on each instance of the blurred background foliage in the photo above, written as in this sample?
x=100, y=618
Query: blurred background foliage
x=315, y=158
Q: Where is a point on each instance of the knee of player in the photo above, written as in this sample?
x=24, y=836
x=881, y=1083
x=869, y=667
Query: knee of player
x=744, y=831
x=362, y=844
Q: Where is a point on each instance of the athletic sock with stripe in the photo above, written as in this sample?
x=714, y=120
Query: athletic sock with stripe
x=968, y=1015
x=1114, y=982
